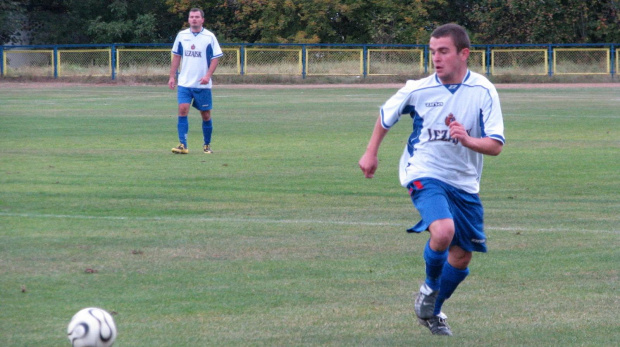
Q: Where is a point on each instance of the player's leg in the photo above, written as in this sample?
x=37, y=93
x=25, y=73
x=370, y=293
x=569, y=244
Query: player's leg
x=430, y=199
x=203, y=102
x=207, y=130
x=183, y=123
x=184, y=99
x=454, y=272
x=435, y=258
x=468, y=237
x=436, y=250
x=438, y=278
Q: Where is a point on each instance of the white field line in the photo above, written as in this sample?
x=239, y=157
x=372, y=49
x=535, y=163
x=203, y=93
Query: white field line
x=279, y=221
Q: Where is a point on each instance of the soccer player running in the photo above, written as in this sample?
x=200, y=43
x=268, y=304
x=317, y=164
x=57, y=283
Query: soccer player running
x=198, y=50
x=456, y=120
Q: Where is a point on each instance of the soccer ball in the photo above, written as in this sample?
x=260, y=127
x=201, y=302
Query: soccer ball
x=91, y=327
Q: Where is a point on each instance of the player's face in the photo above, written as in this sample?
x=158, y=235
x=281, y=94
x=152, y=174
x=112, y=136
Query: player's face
x=450, y=65
x=195, y=20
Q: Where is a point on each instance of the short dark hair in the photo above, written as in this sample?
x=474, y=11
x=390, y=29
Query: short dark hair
x=456, y=32
x=196, y=9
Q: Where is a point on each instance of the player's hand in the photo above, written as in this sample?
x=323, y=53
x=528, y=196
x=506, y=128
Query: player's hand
x=171, y=83
x=368, y=164
x=457, y=131
x=205, y=79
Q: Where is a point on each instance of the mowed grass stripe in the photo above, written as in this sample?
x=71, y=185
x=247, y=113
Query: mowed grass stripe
x=281, y=221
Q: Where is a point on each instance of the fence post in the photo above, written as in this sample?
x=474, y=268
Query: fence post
x=113, y=60
x=1, y=60
x=303, y=62
x=487, y=64
x=55, y=58
x=613, y=61
x=365, y=61
x=550, y=60
x=242, y=59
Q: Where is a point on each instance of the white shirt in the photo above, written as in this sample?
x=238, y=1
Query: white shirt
x=430, y=152
x=196, y=51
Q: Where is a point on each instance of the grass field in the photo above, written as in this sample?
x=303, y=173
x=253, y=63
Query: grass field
x=277, y=239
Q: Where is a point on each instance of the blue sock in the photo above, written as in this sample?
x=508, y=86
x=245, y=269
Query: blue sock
x=450, y=279
x=207, y=130
x=183, y=128
x=434, y=265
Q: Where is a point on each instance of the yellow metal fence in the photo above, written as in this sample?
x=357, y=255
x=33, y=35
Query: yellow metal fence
x=85, y=62
x=304, y=61
x=590, y=61
x=28, y=62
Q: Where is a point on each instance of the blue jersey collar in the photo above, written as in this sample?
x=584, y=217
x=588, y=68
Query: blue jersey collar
x=452, y=88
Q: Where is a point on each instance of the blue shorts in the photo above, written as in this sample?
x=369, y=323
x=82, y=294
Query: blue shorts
x=436, y=200
x=202, y=99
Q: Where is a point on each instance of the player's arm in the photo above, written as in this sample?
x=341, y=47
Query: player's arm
x=174, y=67
x=485, y=145
x=206, y=78
x=369, y=162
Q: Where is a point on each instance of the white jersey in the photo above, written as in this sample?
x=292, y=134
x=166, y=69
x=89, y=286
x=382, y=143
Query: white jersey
x=196, y=51
x=430, y=152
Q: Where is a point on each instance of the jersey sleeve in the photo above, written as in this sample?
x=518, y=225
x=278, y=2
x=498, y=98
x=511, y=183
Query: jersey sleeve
x=177, y=47
x=396, y=106
x=492, y=120
x=217, y=50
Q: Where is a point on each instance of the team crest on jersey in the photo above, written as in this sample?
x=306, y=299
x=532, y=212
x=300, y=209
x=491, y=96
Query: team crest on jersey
x=450, y=119
x=192, y=53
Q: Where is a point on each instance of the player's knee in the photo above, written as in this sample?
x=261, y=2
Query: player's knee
x=459, y=258
x=183, y=110
x=442, y=233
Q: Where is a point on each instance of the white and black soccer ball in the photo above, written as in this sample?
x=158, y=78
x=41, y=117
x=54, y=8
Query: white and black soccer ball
x=91, y=327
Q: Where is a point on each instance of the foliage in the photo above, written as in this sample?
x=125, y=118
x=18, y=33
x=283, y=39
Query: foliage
x=552, y=21
x=312, y=21
x=122, y=28
x=91, y=21
x=11, y=18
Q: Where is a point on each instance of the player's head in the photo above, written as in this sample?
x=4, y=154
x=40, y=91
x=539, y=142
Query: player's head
x=449, y=47
x=456, y=32
x=196, y=9
x=196, y=18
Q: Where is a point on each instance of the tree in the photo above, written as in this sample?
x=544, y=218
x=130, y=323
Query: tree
x=94, y=21
x=50, y=22
x=550, y=21
x=12, y=16
x=121, y=27
x=311, y=21
x=395, y=21
x=132, y=21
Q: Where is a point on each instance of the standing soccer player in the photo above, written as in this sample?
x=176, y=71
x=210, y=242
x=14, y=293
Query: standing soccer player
x=197, y=50
x=456, y=120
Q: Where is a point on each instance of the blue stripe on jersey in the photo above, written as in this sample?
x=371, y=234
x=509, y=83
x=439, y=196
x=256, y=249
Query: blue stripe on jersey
x=467, y=75
x=410, y=109
x=481, y=121
x=209, y=55
x=385, y=126
x=484, y=134
x=414, y=138
x=498, y=138
x=179, y=49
